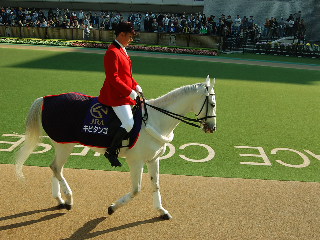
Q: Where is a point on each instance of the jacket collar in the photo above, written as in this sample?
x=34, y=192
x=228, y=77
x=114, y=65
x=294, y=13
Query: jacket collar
x=120, y=47
x=116, y=44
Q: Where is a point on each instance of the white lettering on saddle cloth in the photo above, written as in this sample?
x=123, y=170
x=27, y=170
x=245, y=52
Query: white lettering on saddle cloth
x=94, y=122
x=95, y=129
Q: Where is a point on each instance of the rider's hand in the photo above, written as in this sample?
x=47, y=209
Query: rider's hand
x=139, y=89
x=133, y=95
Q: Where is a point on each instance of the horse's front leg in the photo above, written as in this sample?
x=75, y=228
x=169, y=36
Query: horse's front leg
x=136, y=178
x=153, y=168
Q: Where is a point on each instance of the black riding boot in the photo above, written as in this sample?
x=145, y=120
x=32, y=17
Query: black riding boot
x=113, y=151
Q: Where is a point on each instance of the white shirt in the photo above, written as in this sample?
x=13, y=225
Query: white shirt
x=237, y=22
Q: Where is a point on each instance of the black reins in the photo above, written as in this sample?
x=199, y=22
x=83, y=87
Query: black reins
x=187, y=120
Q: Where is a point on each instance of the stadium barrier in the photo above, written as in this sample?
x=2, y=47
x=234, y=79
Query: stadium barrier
x=164, y=39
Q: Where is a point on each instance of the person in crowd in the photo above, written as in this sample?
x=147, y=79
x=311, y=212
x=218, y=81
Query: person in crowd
x=281, y=27
x=291, y=23
x=273, y=28
x=86, y=32
x=229, y=23
x=203, y=29
x=250, y=23
x=166, y=22
x=244, y=23
x=237, y=24
x=301, y=30
x=80, y=16
x=44, y=23
x=155, y=25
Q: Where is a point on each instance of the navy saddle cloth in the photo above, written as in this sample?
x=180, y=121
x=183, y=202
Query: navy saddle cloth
x=78, y=118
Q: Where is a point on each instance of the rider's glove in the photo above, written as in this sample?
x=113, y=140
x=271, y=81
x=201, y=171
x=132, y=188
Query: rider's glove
x=133, y=95
x=139, y=89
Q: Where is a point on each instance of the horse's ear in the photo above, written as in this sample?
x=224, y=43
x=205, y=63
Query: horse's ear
x=208, y=81
x=211, y=89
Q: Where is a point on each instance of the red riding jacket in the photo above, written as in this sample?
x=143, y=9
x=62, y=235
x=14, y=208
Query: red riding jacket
x=119, y=82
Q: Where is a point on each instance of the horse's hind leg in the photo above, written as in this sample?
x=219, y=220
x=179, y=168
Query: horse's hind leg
x=62, y=152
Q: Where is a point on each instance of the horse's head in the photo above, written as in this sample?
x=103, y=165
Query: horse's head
x=207, y=112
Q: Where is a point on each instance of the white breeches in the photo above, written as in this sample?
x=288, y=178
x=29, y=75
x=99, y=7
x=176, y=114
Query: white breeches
x=124, y=113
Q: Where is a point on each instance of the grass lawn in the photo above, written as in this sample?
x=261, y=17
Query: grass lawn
x=268, y=118
x=266, y=57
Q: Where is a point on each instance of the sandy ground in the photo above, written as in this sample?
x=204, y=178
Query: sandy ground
x=202, y=208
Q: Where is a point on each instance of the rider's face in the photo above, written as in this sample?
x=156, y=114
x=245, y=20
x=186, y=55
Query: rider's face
x=125, y=38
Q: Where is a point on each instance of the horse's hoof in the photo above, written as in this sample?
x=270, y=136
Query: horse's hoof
x=61, y=206
x=110, y=210
x=166, y=216
x=68, y=207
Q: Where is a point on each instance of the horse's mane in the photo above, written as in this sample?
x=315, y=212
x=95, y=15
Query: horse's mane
x=175, y=94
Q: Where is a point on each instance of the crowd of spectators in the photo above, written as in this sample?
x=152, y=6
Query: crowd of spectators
x=32, y=17
x=198, y=23
x=294, y=25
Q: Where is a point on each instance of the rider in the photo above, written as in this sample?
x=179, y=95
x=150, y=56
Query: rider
x=120, y=88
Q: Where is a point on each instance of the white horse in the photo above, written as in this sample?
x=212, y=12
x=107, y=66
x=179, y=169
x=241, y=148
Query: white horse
x=151, y=145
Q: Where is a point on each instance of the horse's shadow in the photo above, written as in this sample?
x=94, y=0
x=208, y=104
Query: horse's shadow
x=85, y=231
x=29, y=222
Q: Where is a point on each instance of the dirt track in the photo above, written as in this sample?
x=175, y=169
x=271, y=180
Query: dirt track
x=202, y=208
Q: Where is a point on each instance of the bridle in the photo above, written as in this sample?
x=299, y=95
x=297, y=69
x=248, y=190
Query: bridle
x=206, y=102
x=187, y=120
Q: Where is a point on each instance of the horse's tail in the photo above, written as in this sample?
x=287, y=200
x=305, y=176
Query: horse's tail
x=32, y=136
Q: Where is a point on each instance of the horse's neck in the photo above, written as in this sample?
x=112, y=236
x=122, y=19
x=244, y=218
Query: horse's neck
x=166, y=124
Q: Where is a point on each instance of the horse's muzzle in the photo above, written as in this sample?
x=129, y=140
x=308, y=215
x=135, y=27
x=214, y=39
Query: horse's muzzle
x=209, y=128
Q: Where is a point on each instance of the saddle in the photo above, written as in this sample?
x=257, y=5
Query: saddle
x=79, y=118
